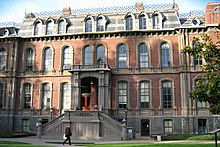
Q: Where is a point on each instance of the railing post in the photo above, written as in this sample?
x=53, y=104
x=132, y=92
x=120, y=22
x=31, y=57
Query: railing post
x=124, y=130
x=39, y=129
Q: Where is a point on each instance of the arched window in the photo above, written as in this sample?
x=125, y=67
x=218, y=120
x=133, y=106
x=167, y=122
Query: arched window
x=67, y=57
x=165, y=55
x=167, y=94
x=3, y=59
x=100, y=54
x=129, y=23
x=156, y=21
x=122, y=94
x=27, y=100
x=88, y=25
x=122, y=56
x=61, y=27
x=48, y=59
x=88, y=55
x=29, y=59
x=142, y=22
x=37, y=28
x=46, y=96
x=49, y=29
x=144, y=94
x=143, y=56
x=66, y=96
x=100, y=24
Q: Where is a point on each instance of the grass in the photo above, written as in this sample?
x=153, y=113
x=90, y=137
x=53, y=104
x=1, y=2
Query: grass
x=17, y=144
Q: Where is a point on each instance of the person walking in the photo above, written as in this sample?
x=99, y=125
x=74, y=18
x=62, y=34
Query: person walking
x=68, y=133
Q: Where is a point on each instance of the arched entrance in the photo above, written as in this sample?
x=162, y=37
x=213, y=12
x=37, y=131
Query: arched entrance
x=89, y=93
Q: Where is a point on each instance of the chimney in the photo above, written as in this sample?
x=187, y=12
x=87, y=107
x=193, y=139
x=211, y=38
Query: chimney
x=66, y=11
x=139, y=6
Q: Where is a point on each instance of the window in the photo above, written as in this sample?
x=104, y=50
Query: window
x=167, y=94
x=122, y=56
x=202, y=126
x=165, y=55
x=143, y=56
x=67, y=58
x=25, y=125
x=199, y=104
x=49, y=29
x=2, y=97
x=88, y=25
x=122, y=94
x=29, y=59
x=100, y=24
x=142, y=22
x=88, y=55
x=156, y=21
x=66, y=96
x=129, y=23
x=145, y=94
x=100, y=54
x=37, y=28
x=48, y=59
x=46, y=96
x=3, y=59
x=61, y=27
x=196, y=60
x=27, y=95
x=168, y=126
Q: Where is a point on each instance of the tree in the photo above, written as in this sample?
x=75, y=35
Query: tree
x=208, y=88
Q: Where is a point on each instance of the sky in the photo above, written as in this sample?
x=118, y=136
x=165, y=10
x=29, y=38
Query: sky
x=14, y=10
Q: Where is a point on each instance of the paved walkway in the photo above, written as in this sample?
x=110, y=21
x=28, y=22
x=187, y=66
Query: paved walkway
x=35, y=141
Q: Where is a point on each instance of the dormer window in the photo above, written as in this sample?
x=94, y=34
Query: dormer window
x=37, y=28
x=129, y=23
x=156, y=21
x=49, y=28
x=100, y=24
x=88, y=25
x=6, y=32
x=61, y=27
x=142, y=22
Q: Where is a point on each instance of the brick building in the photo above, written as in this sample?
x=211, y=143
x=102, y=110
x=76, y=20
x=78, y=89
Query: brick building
x=93, y=69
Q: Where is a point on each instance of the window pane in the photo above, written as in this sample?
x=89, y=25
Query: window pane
x=142, y=22
x=129, y=23
x=122, y=56
x=144, y=94
x=156, y=22
x=100, y=54
x=29, y=59
x=46, y=96
x=3, y=58
x=88, y=57
x=27, y=95
x=100, y=24
x=61, y=27
x=165, y=55
x=122, y=94
x=66, y=95
x=167, y=94
x=37, y=28
x=49, y=28
x=48, y=59
x=67, y=56
x=25, y=125
x=143, y=55
x=88, y=25
x=168, y=126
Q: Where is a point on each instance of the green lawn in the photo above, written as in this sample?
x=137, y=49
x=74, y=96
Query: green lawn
x=17, y=144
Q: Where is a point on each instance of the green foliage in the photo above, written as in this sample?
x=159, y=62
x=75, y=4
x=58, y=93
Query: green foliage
x=208, y=88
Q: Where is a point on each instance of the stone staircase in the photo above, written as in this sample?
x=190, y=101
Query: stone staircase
x=85, y=125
